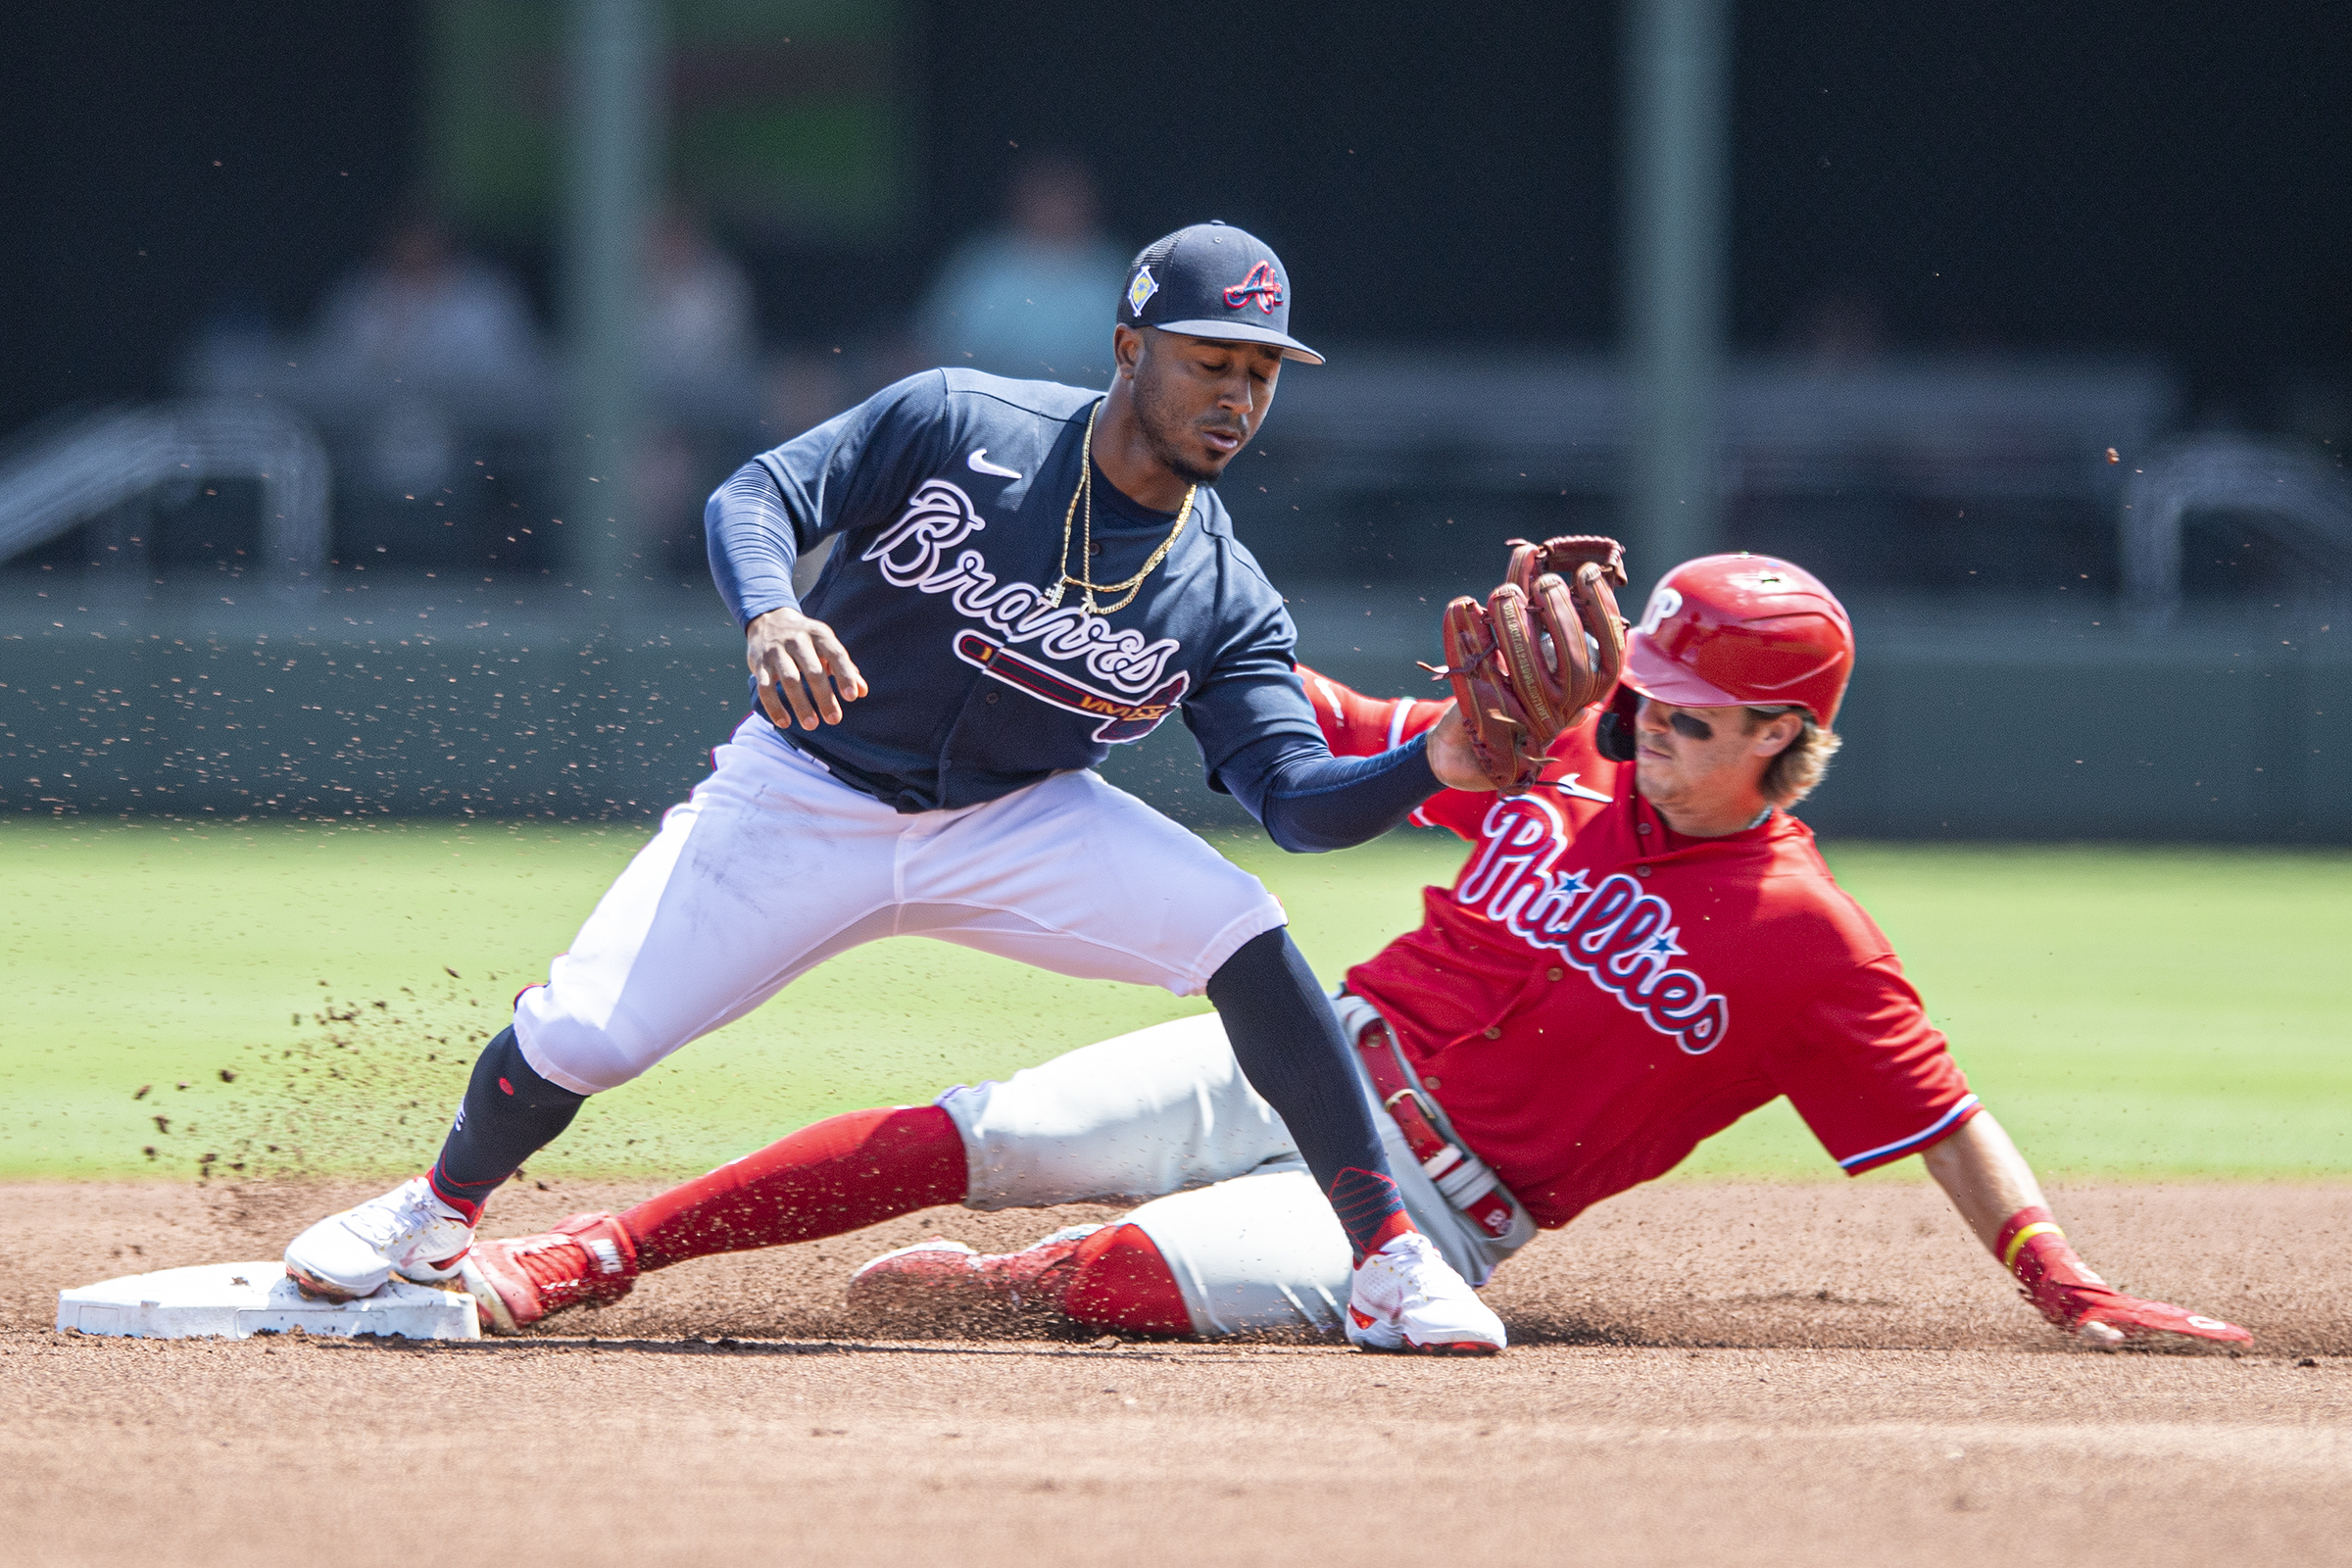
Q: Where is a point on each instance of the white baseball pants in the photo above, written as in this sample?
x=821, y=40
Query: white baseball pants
x=772, y=866
x=1165, y=1114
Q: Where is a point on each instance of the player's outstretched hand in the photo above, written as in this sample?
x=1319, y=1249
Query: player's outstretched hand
x=1452, y=756
x=2109, y=1319
x=798, y=660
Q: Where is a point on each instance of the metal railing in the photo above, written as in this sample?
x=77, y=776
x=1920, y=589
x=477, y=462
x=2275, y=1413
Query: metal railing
x=2298, y=499
x=87, y=468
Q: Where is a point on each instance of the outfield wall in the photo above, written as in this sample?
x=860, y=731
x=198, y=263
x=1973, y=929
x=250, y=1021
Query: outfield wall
x=2023, y=728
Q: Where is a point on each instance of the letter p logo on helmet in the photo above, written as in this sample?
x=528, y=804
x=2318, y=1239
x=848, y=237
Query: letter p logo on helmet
x=1663, y=602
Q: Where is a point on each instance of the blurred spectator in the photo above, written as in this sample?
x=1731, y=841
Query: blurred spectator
x=425, y=313
x=701, y=355
x=699, y=320
x=426, y=338
x=1037, y=298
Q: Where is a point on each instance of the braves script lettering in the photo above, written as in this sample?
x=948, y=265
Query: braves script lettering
x=1619, y=936
x=912, y=553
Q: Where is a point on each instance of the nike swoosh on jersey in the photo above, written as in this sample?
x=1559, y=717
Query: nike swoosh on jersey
x=1568, y=785
x=978, y=463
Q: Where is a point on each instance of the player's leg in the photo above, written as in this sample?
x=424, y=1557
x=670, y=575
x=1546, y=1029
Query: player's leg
x=1155, y=1112
x=1076, y=876
x=1147, y=1113
x=1254, y=1253
x=767, y=869
x=840, y=1174
x=1289, y=1042
x=1261, y=1250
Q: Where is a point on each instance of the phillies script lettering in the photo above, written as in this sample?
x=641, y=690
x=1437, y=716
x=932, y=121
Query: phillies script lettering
x=912, y=553
x=1621, y=937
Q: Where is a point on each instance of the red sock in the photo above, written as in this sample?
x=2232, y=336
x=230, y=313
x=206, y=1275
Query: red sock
x=1393, y=1226
x=843, y=1173
x=1370, y=1209
x=1119, y=1281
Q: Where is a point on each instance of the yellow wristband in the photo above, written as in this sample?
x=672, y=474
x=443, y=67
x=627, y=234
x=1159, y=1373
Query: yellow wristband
x=2017, y=1241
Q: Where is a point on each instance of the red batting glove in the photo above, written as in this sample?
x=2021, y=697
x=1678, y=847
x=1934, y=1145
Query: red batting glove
x=2103, y=1316
x=2064, y=1290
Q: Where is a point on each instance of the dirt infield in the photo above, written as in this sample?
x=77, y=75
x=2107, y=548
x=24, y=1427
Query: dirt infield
x=1735, y=1374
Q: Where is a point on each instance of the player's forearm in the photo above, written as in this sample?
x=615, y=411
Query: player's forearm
x=1984, y=1176
x=750, y=544
x=1311, y=801
x=1994, y=1188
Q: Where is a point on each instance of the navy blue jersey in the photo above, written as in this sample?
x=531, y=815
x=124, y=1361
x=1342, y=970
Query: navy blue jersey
x=949, y=491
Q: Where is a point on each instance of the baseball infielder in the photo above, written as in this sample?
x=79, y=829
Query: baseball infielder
x=1631, y=958
x=1031, y=573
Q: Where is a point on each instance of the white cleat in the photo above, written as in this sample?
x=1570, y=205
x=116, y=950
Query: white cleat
x=409, y=1232
x=1408, y=1297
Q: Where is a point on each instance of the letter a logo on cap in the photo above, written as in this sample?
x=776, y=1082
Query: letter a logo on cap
x=1140, y=292
x=1259, y=283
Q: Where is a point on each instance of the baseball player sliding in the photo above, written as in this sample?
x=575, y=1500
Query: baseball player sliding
x=1027, y=573
x=1631, y=958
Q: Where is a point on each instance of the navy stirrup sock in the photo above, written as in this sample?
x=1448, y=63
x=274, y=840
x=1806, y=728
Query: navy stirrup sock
x=508, y=1114
x=1291, y=1049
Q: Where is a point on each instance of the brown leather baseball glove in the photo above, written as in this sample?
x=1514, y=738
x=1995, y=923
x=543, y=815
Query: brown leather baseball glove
x=1544, y=647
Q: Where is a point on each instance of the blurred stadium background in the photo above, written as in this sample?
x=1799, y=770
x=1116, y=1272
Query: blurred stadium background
x=363, y=370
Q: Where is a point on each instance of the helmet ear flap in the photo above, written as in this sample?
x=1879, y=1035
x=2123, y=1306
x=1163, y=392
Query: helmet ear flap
x=1613, y=736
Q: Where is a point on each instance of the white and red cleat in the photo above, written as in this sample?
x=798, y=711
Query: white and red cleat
x=587, y=1260
x=1406, y=1297
x=407, y=1231
x=941, y=1277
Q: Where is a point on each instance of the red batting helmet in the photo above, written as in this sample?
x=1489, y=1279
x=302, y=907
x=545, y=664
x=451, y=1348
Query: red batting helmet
x=1742, y=630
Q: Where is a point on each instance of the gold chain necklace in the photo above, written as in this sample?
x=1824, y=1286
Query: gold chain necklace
x=1085, y=495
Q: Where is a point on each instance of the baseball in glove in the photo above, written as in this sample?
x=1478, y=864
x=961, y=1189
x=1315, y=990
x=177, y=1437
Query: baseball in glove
x=1546, y=646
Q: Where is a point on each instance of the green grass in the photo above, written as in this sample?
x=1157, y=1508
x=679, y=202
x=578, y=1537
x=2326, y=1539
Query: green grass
x=2141, y=1012
x=2136, y=1014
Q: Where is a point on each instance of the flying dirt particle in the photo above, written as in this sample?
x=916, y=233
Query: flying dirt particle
x=148, y=1150
x=145, y=1091
x=227, y=1075
x=163, y=1124
x=184, y=1086
x=445, y=969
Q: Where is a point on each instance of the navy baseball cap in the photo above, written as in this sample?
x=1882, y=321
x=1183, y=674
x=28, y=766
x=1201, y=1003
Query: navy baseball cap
x=1216, y=281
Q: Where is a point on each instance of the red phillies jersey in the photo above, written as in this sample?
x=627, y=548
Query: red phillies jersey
x=1592, y=996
